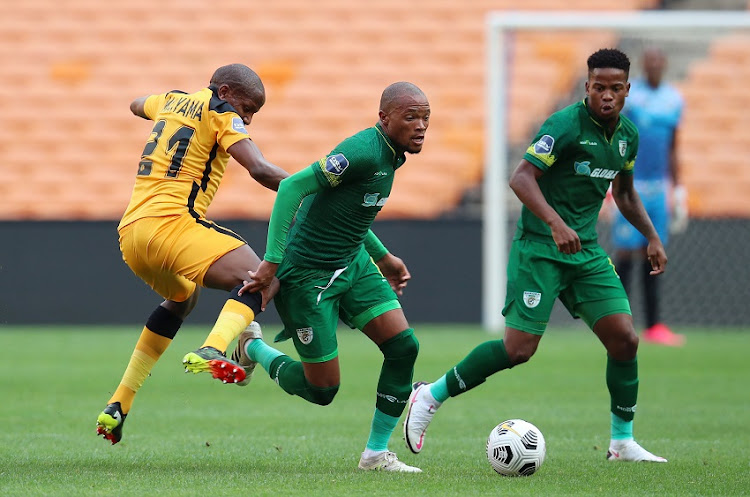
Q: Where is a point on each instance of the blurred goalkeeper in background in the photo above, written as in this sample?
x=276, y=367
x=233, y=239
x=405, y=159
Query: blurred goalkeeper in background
x=562, y=181
x=165, y=238
x=655, y=107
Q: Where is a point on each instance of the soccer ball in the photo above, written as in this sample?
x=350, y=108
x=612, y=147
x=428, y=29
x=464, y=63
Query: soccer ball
x=516, y=448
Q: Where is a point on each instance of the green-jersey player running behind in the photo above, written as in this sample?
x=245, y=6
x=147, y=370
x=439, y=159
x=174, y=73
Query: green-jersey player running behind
x=562, y=181
x=326, y=270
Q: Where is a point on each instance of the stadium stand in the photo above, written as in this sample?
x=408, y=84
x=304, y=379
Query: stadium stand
x=714, y=129
x=70, y=145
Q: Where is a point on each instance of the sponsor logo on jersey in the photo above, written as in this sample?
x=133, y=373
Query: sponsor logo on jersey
x=532, y=299
x=238, y=125
x=336, y=164
x=544, y=145
x=588, y=142
x=582, y=168
x=305, y=335
x=371, y=200
x=381, y=173
x=603, y=173
x=623, y=147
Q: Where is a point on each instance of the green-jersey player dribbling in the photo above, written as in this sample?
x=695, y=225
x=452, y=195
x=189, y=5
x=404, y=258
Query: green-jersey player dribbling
x=562, y=181
x=333, y=266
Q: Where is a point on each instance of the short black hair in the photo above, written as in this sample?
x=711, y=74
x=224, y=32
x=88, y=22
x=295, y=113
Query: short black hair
x=239, y=77
x=609, y=58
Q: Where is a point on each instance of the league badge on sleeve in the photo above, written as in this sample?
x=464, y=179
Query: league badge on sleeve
x=336, y=164
x=544, y=145
x=623, y=147
x=238, y=125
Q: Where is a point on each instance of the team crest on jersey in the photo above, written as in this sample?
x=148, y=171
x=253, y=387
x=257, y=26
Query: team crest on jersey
x=544, y=145
x=305, y=335
x=623, y=147
x=532, y=299
x=238, y=125
x=336, y=164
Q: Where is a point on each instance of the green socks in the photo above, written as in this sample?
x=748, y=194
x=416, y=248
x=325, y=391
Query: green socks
x=394, y=385
x=485, y=360
x=622, y=382
x=439, y=389
x=262, y=353
x=380, y=431
x=621, y=429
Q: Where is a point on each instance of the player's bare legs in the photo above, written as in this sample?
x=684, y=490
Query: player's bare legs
x=618, y=336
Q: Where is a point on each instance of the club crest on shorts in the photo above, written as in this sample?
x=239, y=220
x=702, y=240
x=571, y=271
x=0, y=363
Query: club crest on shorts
x=532, y=299
x=305, y=335
x=623, y=147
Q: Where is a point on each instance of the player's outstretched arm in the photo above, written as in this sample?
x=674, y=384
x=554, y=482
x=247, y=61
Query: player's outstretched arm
x=247, y=153
x=136, y=107
x=292, y=191
x=524, y=183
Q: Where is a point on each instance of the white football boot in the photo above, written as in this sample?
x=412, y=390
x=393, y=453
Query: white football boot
x=630, y=451
x=252, y=332
x=386, y=461
x=422, y=407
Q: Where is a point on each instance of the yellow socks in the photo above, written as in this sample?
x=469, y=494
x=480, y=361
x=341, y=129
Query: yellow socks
x=233, y=319
x=147, y=351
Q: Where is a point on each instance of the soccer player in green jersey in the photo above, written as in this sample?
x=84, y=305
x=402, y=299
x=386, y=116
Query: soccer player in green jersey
x=334, y=266
x=562, y=181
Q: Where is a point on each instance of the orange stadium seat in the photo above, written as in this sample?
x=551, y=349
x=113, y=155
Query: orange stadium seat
x=72, y=144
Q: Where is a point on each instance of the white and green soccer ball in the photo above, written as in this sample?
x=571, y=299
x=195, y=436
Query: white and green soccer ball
x=516, y=448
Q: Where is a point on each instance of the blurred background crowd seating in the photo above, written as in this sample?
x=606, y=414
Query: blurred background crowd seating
x=70, y=146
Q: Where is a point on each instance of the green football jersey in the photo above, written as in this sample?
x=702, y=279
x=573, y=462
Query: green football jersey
x=357, y=177
x=579, y=159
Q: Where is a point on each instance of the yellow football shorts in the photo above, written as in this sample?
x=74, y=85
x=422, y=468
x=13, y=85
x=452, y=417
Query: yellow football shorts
x=173, y=253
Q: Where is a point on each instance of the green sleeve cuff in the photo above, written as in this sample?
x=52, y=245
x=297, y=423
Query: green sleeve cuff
x=291, y=192
x=374, y=246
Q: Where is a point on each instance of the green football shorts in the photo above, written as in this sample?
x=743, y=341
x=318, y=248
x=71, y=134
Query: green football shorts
x=586, y=283
x=310, y=302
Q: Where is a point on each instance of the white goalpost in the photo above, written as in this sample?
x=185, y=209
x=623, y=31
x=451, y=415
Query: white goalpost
x=499, y=25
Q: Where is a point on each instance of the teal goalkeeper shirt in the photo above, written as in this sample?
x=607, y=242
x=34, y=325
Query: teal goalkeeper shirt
x=340, y=196
x=580, y=160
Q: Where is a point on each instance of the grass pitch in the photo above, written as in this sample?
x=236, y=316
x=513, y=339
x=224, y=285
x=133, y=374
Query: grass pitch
x=189, y=434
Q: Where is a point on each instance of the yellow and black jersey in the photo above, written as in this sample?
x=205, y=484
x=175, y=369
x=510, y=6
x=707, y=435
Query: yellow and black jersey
x=186, y=155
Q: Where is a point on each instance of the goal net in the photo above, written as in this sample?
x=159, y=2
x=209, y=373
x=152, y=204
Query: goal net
x=536, y=64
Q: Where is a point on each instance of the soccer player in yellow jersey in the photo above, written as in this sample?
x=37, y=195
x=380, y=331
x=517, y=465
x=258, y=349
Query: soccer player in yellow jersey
x=166, y=239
